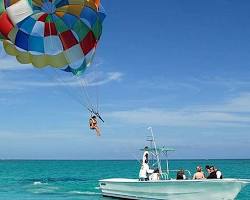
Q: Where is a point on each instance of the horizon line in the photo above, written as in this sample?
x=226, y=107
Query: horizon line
x=175, y=159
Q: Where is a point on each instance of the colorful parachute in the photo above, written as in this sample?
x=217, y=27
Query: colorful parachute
x=58, y=33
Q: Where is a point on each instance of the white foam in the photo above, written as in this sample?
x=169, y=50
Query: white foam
x=38, y=183
x=84, y=192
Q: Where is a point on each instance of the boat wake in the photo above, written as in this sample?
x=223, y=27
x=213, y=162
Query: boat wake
x=44, y=190
x=54, y=180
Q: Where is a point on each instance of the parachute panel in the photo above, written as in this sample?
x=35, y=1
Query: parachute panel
x=19, y=10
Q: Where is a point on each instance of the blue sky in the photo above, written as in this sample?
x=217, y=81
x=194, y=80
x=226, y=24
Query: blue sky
x=182, y=67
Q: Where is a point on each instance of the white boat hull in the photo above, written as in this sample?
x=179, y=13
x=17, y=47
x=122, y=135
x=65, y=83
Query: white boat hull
x=215, y=189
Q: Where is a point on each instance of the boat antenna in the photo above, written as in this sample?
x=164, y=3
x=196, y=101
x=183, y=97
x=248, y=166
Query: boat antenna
x=155, y=147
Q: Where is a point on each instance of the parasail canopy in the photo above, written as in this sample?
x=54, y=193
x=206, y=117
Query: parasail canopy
x=58, y=33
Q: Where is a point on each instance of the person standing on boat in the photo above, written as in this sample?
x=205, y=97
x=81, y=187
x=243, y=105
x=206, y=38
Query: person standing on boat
x=145, y=171
x=145, y=155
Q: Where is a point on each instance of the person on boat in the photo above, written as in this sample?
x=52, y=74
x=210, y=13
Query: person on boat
x=181, y=175
x=145, y=171
x=208, y=170
x=218, y=173
x=155, y=176
x=212, y=173
x=145, y=155
x=199, y=173
x=93, y=125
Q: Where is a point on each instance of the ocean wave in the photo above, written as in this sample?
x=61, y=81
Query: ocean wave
x=39, y=183
x=52, y=180
x=85, y=193
x=50, y=190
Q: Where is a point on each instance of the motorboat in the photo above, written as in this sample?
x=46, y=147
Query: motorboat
x=172, y=189
x=167, y=186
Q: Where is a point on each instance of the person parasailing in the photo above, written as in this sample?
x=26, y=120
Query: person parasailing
x=65, y=41
x=93, y=124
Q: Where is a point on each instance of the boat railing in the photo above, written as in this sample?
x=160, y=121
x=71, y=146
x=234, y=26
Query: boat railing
x=167, y=175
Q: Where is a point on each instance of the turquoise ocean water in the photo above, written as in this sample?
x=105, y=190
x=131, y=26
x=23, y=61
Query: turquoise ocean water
x=78, y=180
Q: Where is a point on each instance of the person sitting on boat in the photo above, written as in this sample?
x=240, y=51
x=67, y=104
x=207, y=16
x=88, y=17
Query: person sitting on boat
x=93, y=125
x=218, y=173
x=181, y=175
x=145, y=171
x=155, y=176
x=199, y=173
x=208, y=170
x=212, y=173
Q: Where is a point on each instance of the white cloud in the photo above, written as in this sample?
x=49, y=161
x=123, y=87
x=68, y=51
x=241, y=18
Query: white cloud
x=102, y=78
x=165, y=83
x=57, y=79
x=240, y=104
x=233, y=113
x=48, y=134
x=230, y=84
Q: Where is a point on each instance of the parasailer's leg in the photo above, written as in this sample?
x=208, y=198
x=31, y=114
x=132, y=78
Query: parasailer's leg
x=97, y=129
x=98, y=132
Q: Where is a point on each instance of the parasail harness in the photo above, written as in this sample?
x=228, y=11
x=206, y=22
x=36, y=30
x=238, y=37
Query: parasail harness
x=92, y=111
